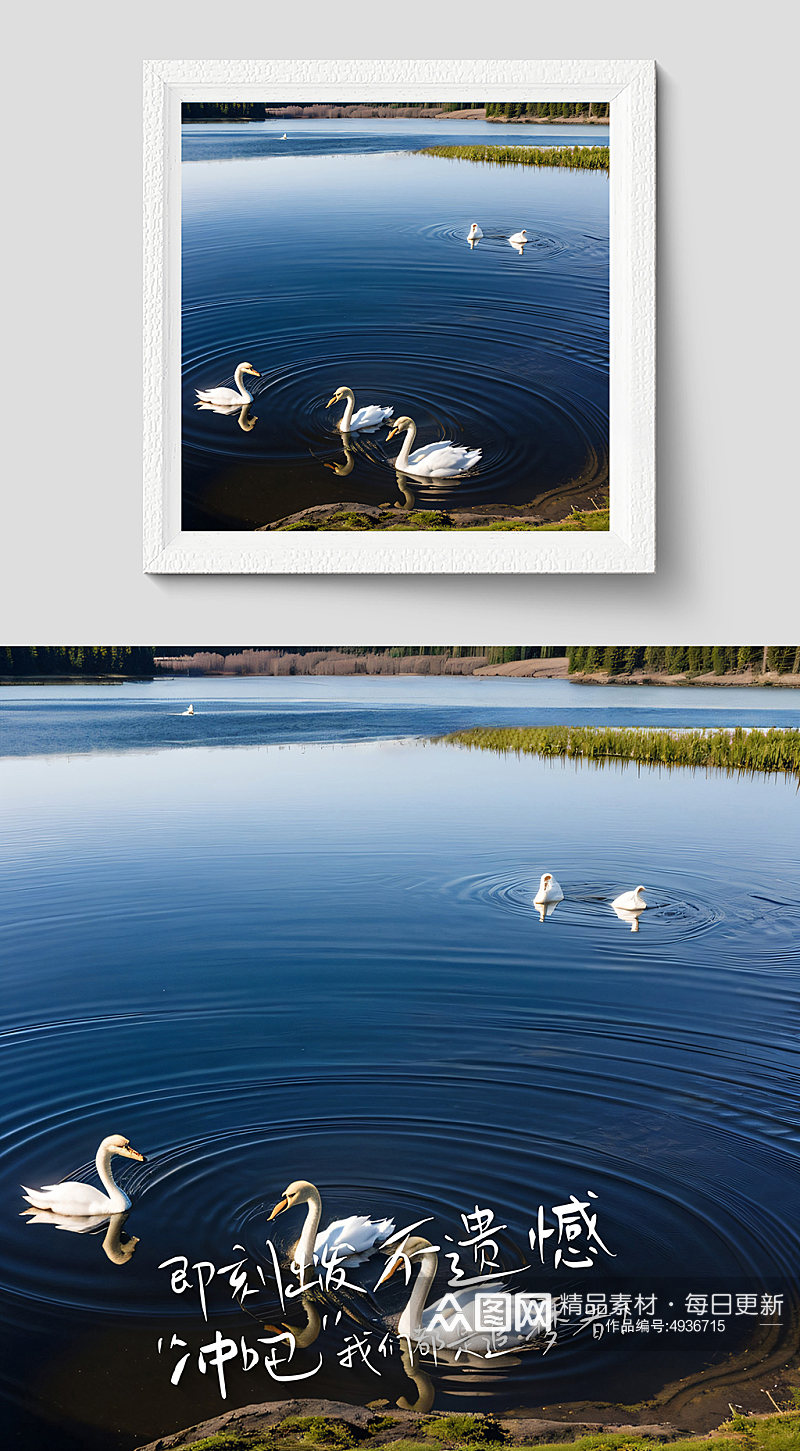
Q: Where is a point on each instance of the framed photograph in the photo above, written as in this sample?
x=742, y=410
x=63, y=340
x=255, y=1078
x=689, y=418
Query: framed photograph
x=399, y=317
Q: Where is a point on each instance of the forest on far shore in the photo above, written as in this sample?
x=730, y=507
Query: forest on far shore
x=34, y=662
x=492, y=110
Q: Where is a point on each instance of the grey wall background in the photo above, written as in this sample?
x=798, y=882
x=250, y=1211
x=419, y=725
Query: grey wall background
x=728, y=476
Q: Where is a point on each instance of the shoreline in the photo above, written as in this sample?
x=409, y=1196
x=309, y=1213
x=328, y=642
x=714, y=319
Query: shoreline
x=700, y=1405
x=554, y=668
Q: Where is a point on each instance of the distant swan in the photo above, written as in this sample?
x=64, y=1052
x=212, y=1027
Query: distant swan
x=518, y=239
x=549, y=891
x=370, y=417
x=630, y=901
x=70, y=1198
x=356, y=1238
x=474, y=233
x=284, y=137
x=221, y=396
x=435, y=460
x=190, y=711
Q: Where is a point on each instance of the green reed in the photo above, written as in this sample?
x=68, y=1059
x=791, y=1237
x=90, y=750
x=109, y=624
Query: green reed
x=734, y=751
x=580, y=158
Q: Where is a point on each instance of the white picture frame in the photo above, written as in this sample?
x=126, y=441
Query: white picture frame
x=629, y=545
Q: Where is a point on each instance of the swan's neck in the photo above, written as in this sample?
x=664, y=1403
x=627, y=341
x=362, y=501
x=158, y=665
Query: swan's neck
x=238, y=375
x=304, y=1254
x=402, y=458
x=348, y=412
x=409, y=1326
x=119, y=1201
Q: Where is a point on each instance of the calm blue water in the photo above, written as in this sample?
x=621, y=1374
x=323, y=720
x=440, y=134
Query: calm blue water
x=339, y=258
x=321, y=961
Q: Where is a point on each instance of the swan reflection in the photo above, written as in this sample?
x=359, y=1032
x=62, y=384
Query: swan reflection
x=409, y=497
x=116, y=1246
x=228, y=410
x=545, y=909
x=628, y=914
x=426, y=1393
x=347, y=464
x=302, y=1335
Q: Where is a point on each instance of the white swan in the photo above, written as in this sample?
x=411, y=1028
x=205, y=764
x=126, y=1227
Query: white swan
x=284, y=137
x=435, y=460
x=474, y=233
x=630, y=901
x=454, y=1331
x=549, y=891
x=355, y=1238
x=222, y=396
x=70, y=1198
x=190, y=711
x=370, y=417
x=518, y=239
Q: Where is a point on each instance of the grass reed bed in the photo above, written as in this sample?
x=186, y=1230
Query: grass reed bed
x=580, y=158
x=733, y=751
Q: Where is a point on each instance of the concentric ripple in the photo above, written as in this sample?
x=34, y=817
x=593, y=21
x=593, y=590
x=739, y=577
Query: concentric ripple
x=323, y=962
x=358, y=273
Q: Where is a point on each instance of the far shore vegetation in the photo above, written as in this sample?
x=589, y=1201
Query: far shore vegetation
x=464, y=1431
x=580, y=158
x=738, y=750
x=726, y=664
x=518, y=112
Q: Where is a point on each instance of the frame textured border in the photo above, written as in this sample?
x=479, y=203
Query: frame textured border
x=629, y=545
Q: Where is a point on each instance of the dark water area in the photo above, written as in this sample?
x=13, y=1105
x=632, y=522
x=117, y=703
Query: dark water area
x=321, y=960
x=340, y=258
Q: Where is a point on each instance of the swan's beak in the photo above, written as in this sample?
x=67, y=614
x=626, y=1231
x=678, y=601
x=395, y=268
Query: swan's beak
x=331, y=401
x=279, y=1208
x=254, y=372
x=134, y=1154
x=391, y=1268
x=391, y=434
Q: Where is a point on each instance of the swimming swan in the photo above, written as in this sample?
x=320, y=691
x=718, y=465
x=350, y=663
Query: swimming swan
x=70, y=1198
x=221, y=396
x=190, y=711
x=549, y=891
x=630, y=901
x=455, y=1314
x=474, y=233
x=518, y=239
x=370, y=417
x=435, y=460
x=355, y=1238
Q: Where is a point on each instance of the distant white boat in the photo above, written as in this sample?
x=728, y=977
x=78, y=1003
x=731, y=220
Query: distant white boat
x=284, y=137
x=190, y=711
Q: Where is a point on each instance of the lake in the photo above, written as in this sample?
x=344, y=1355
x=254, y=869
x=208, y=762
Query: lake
x=300, y=943
x=338, y=257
